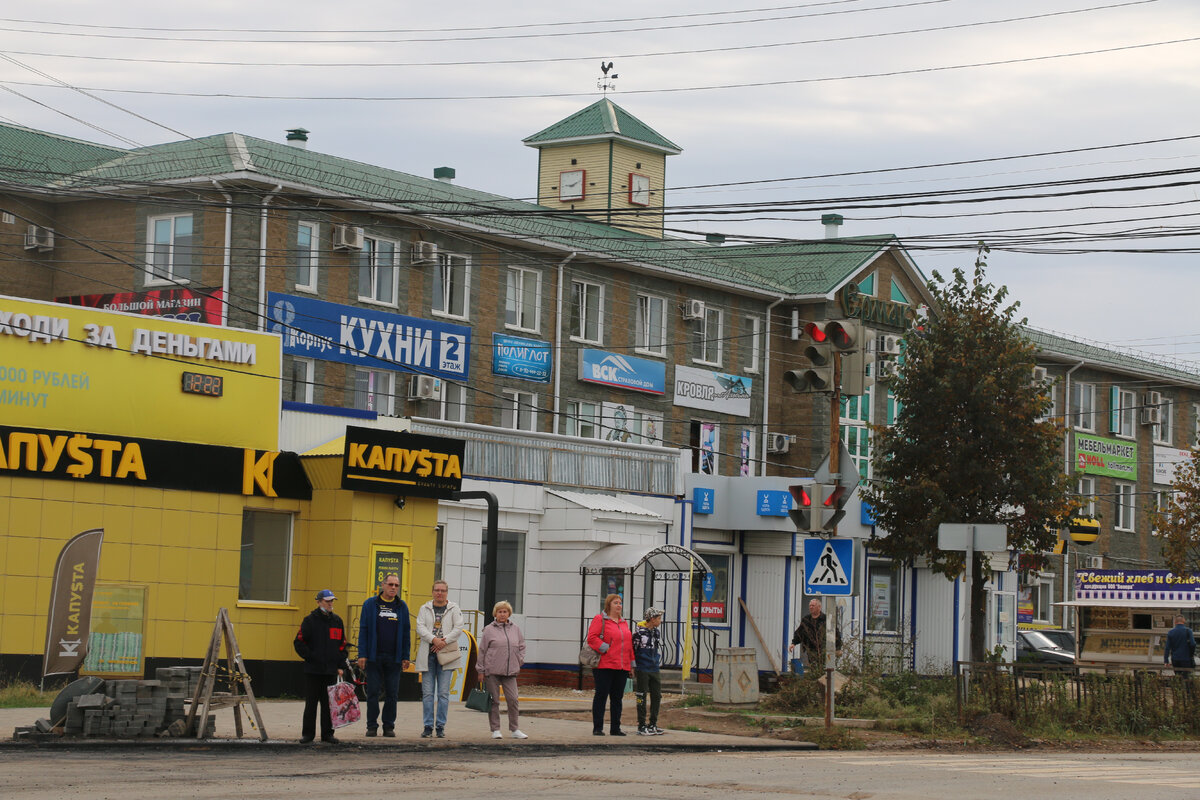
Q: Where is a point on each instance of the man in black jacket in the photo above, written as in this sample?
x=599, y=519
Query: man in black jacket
x=810, y=635
x=321, y=642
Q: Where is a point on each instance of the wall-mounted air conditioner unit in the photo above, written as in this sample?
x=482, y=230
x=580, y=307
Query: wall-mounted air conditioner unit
x=1150, y=415
x=694, y=309
x=425, y=387
x=1040, y=375
x=1095, y=562
x=778, y=442
x=347, y=237
x=1152, y=399
x=39, y=238
x=887, y=345
x=424, y=252
x=886, y=370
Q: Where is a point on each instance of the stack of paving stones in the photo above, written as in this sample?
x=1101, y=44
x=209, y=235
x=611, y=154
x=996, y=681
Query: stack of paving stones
x=134, y=708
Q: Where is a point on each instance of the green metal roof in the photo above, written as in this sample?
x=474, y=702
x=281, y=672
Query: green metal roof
x=34, y=158
x=603, y=119
x=1052, y=345
x=809, y=267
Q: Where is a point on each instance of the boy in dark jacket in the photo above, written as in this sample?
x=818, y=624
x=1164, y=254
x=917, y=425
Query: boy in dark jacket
x=647, y=652
x=321, y=642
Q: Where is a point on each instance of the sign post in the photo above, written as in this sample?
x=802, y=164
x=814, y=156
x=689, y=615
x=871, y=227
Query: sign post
x=969, y=537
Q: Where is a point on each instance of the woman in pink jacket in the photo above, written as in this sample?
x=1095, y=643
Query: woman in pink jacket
x=609, y=636
x=501, y=655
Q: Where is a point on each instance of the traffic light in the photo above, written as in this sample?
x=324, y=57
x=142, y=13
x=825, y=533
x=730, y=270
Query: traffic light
x=833, y=501
x=817, y=506
x=802, y=511
x=850, y=337
x=818, y=377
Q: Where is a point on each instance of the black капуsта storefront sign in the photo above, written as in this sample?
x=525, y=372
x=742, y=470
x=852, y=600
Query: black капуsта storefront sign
x=403, y=464
x=103, y=458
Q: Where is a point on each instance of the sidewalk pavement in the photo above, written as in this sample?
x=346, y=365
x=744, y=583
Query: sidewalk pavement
x=464, y=728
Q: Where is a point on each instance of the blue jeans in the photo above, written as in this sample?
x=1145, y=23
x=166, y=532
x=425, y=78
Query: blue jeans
x=383, y=676
x=435, y=679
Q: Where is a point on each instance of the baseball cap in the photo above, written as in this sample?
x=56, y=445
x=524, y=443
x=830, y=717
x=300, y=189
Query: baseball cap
x=325, y=594
x=653, y=612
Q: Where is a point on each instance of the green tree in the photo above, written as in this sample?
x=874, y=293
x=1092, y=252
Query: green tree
x=967, y=445
x=1178, y=522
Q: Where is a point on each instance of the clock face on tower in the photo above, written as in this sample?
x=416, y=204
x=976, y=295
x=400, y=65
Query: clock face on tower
x=639, y=189
x=570, y=185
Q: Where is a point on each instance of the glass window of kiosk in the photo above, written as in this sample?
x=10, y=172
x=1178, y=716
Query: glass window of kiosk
x=264, y=572
x=1127, y=635
x=710, y=593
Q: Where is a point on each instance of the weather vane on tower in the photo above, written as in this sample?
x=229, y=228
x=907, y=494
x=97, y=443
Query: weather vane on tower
x=606, y=81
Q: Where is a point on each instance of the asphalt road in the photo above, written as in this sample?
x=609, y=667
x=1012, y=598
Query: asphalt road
x=575, y=771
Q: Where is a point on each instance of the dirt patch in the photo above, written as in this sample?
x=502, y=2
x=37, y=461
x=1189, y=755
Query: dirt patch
x=998, y=730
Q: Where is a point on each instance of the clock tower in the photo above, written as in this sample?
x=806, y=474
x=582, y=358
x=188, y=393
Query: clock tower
x=607, y=164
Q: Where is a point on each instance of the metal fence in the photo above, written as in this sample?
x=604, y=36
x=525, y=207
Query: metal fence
x=1116, y=700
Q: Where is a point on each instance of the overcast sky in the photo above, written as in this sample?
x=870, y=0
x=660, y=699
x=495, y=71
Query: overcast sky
x=752, y=93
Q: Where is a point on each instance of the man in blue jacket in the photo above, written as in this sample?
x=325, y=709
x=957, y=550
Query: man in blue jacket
x=384, y=643
x=1179, y=650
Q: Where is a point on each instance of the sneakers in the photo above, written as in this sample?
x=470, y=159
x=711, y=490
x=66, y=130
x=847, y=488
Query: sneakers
x=441, y=733
x=517, y=735
x=373, y=732
x=425, y=734
x=644, y=730
x=497, y=735
x=388, y=732
x=655, y=730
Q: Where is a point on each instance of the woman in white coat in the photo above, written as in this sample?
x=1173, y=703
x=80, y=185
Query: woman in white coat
x=439, y=624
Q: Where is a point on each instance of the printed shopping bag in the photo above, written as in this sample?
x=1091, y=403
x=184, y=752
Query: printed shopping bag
x=343, y=704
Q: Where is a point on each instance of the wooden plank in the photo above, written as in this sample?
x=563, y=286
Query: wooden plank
x=204, y=686
x=761, y=641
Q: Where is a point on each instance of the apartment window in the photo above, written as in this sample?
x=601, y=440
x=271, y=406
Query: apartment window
x=854, y=425
x=169, y=256
x=454, y=402
x=704, y=439
x=1123, y=514
x=710, y=337
x=518, y=410
x=303, y=374
x=747, y=449
x=1162, y=502
x=753, y=343
x=1164, y=429
x=1051, y=412
x=266, y=559
x=1123, y=412
x=582, y=419
x=883, y=587
x=1083, y=406
x=451, y=285
x=587, y=305
x=308, y=240
x=1041, y=596
x=1196, y=423
x=523, y=299
x=375, y=390
x=510, y=567
x=651, y=333
x=378, y=271
x=1087, y=497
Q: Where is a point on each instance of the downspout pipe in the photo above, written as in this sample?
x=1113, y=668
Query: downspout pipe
x=558, y=342
x=227, y=255
x=766, y=415
x=1068, y=426
x=262, y=257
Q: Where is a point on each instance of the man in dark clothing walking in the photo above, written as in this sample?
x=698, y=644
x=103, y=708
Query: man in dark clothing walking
x=384, y=642
x=321, y=642
x=810, y=635
x=1179, y=649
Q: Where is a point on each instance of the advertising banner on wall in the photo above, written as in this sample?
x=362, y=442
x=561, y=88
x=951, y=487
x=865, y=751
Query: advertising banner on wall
x=69, y=620
x=712, y=391
x=116, y=646
x=1152, y=585
x=371, y=338
x=515, y=357
x=132, y=375
x=1096, y=455
x=622, y=371
x=402, y=464
x=100, y=458
x=193, y=305
x=1167, y=461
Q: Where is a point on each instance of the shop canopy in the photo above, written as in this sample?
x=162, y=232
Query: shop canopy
x=665, y=561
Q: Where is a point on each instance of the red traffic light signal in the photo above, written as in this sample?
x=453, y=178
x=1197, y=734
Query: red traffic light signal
x=802, y=511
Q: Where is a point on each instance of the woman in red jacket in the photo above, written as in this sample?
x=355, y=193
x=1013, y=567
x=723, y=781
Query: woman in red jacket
x=609, y=636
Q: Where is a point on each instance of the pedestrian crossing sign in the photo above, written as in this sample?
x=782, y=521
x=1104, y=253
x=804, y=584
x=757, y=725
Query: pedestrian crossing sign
x=829, y=566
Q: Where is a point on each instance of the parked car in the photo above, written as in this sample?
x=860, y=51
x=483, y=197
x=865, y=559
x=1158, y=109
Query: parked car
x=1063, y=638
x=1037, y=646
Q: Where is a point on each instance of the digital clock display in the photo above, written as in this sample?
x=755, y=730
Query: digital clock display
x=199, y=383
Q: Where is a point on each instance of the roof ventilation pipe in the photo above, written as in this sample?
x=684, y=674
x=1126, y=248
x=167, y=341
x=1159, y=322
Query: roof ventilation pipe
x=298, y=137
x=445, y=174
x=831, y=222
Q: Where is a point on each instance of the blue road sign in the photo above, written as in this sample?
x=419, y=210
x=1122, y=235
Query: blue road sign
x=829, y=566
